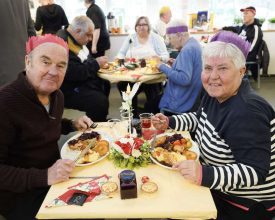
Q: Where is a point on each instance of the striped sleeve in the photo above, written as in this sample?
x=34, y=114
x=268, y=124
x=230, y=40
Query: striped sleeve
x=184, y=122
x=229, y=177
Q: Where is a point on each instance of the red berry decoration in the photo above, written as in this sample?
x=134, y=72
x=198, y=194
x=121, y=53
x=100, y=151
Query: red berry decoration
x=145, y=179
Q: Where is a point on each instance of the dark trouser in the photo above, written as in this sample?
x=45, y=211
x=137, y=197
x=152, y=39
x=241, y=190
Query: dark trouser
x=27, y=205
x=254, y=70
x=93, y=102
x=252, y=67
x=151, y=92
x=105, y=83
x=226, y=211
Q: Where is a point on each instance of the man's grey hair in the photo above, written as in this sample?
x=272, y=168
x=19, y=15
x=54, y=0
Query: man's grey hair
x=224, y=50
x=82, y=23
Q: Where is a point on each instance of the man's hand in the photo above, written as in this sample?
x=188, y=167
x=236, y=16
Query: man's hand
x=102, y=60
x=191, y=170
x=160, y=121
x=82, y=123
x=60, y=171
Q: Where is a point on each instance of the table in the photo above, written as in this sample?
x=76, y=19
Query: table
x=176, y=197
x=133, y=76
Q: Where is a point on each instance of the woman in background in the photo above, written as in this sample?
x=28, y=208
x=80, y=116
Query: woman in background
x=50, y=17
x=143, y=44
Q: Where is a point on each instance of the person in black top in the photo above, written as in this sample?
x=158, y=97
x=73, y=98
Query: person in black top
x=250, y=31
x=50, y=17
x=82, y=88
x=101, y=38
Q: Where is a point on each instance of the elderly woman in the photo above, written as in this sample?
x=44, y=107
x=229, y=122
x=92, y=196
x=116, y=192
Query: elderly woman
x=235, y=131
x=143, y=44
x=184, y=85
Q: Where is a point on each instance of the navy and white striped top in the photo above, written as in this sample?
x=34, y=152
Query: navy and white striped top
x=237, y=146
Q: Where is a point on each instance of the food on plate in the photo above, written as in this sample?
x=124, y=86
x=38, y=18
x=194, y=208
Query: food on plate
x=83, y=140
x=190, y=155
x=90, y=157
x=149, y=187
x=172, y=149
x=109, y=187
x=100, y=148
x=105, y=66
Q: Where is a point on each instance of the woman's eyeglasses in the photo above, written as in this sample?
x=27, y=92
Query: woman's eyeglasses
x=142, y=25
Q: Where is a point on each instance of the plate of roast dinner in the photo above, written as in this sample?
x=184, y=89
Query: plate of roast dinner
x=172, y=148
x=76, y=144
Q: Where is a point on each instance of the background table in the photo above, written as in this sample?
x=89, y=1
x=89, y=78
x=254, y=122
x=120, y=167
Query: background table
x=175, y=198
x=133, y=76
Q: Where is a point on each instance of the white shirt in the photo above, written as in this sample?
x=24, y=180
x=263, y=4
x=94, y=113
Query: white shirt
x=160, y=28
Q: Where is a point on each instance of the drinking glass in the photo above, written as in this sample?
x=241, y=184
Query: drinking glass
x=112, y=122
x=127, y=118
x=146, y=125
x=146, y=120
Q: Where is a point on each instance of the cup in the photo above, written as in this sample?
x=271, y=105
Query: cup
x=148, y=133
x=127, y=119
x=112, y=122
x=120, y=62
x=145, y=120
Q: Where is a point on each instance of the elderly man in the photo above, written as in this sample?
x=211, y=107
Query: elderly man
x=82, y=88
x=250, y=31
x=184, y=85
x=165, y=16
x=31, y=122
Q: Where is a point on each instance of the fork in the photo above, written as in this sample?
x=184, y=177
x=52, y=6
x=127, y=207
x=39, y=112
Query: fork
x=94, y=125
x=152, y=147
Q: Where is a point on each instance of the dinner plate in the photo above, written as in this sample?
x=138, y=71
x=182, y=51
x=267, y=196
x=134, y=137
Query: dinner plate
x=145, y=72
x=106, y=71
x=194, y=148
x=67, y=153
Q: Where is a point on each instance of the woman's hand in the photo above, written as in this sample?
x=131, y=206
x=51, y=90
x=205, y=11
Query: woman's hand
x=60, y=171
x=190, y=170
x=82, y=123
x=170, y=61
x=160, y=121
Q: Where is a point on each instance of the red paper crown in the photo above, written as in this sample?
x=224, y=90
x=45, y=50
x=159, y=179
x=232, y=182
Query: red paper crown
x=35, y=41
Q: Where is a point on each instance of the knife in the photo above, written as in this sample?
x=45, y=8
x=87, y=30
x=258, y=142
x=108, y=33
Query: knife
x=83, y=152
x=152, y=147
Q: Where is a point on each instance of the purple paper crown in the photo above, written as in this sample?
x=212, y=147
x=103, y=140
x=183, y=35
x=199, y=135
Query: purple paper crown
x=176, y=29
x=232, y=38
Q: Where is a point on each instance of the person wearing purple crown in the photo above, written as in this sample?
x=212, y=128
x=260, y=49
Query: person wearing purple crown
x=235, y=130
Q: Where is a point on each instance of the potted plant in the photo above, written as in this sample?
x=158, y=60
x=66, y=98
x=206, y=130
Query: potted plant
x=271, y=23
x=261, y=20
x=238, y=20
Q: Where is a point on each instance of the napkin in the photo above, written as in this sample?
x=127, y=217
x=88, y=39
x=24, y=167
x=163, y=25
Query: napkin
x=90, y=189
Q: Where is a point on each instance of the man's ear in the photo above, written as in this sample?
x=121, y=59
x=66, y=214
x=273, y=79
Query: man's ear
x=78, y=30
x=27, y=61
